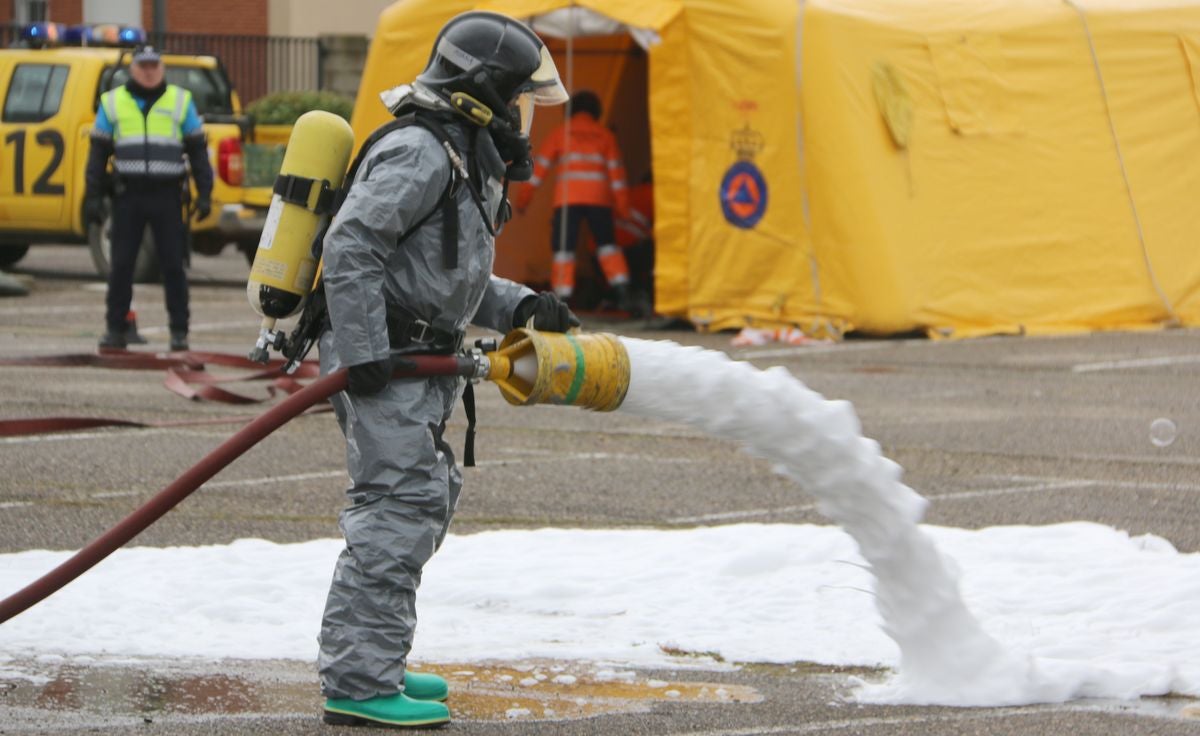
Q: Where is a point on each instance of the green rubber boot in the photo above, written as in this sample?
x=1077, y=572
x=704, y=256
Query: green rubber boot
x=425, y=686
x=395, y=711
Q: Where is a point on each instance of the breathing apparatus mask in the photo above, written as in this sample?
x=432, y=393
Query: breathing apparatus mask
x=510, y=133
x=512, y=141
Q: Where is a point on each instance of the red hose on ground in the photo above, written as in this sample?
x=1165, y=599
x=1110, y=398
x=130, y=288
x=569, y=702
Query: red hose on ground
x=194, y=477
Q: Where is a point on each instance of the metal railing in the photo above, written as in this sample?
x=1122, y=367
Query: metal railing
x=256, y=65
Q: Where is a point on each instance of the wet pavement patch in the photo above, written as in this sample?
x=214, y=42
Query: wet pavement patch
x=559, y=691
x=149, y=690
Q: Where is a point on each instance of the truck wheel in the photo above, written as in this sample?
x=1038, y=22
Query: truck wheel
x=10, y=254
x=248, y=249
x=145, y=270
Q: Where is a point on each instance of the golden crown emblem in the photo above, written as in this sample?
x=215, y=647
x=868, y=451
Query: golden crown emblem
x=746, y=142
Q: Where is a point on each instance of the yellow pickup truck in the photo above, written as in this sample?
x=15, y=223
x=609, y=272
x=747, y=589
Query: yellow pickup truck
x=50, y=96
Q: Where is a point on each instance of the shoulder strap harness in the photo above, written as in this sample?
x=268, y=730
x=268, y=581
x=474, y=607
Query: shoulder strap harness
x=320, y=198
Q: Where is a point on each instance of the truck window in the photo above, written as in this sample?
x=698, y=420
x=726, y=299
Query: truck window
x=209, y=87
x=35, y=92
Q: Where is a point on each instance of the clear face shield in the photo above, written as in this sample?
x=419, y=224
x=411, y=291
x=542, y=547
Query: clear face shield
x=545, y=88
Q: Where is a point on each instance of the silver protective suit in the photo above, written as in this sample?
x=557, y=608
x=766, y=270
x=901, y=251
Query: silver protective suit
x=404, y=480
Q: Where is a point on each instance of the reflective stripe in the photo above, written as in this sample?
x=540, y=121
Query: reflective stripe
x=535, y=180
x=584, y=176
x=161, y=140
x=640, y=218
x=618, y=184
x=97, y=135
x=541, y=161
x=562, y=275
x=177, y=116
x=165, y=169
x=458, y=56
x=109, y=100
x=563, y=256
x=613, y=264
x=614, y=164
x=633, y=228
x=592, y=158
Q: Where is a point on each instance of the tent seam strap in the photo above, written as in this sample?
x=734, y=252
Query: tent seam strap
x=1112, y=127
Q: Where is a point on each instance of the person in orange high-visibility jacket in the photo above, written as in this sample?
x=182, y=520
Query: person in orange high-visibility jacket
x=590, y=185
x=638, y=227
x=635, y=236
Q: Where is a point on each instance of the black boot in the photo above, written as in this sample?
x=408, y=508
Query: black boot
x=179, y=340
x=112, y=340
x=624, y=299
x=132, y=336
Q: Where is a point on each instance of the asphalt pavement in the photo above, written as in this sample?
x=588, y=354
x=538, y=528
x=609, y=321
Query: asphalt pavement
x=994, y=431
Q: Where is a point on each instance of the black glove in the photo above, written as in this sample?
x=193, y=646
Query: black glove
x=93, y=209
x=549, y=313
x=203, y=207
x=368, y=379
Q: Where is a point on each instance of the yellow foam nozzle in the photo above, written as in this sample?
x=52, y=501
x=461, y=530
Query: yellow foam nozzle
x=575, y=369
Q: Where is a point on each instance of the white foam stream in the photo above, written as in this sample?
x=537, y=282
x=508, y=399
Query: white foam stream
x=945, y=655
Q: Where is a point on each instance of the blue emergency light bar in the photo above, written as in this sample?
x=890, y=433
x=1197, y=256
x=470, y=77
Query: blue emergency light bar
x=130, y=36
x=39, y=35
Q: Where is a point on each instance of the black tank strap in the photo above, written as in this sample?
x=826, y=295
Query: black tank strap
x=299, y=190
x=468, y=400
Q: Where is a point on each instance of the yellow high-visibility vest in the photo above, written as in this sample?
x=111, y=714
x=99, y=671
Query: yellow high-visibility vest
x=148, y=144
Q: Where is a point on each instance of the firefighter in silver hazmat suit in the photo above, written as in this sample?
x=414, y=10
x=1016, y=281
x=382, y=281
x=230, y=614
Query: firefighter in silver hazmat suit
x=394, y=285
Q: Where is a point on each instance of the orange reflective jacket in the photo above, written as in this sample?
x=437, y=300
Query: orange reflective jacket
x=639, y=225
x=587, y=167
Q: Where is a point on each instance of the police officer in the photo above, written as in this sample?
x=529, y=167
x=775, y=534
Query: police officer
x=147, y=126
x=407, y=265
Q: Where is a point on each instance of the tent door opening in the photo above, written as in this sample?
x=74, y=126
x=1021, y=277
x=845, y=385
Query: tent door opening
x=615, y=68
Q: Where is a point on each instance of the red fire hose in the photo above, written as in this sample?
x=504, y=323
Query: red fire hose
x=194, y=477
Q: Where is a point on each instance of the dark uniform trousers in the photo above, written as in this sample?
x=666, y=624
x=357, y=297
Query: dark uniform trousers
x=159, y=205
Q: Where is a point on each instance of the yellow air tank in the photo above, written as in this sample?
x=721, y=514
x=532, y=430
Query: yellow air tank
x=284, y=267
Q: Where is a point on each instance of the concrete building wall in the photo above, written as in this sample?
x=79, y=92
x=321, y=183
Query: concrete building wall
x=312, y=18
x=125, y=12
x=342, y=64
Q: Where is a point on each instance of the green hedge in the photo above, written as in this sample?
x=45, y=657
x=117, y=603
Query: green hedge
x=282, y=108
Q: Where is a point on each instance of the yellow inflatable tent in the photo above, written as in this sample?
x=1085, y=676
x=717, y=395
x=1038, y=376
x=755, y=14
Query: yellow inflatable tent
x=960, y=167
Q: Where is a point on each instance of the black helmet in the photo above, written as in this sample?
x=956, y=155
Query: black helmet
x=496, y=60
